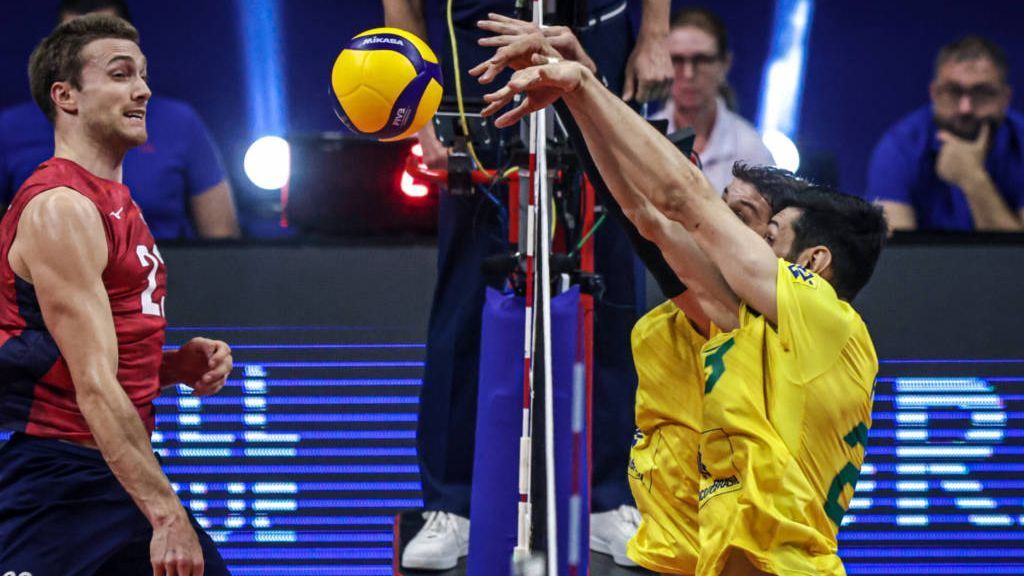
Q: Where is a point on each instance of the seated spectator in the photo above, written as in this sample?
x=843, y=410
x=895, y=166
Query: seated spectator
x=957, y=164
x=177, y=178
x=699, y=47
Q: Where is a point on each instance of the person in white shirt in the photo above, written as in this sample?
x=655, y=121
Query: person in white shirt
x=699, y=47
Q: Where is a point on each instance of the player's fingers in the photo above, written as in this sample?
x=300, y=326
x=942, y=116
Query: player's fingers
x=494, y=107
x=220, y=352
x=498, y=27
x=497, y=100
x=491, y=26
x=515, y=115
x=500, y=40
x=218, y=372
x=524, y=79
x=479, y=68
x=541, y=59
x=183, y=567
x=502, y=18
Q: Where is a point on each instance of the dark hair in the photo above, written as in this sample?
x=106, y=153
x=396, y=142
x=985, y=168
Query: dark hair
x=850, y=227
x=706, y=20
x=774, y=184
x=58, y=58
x=973, y=48
x=82, y=7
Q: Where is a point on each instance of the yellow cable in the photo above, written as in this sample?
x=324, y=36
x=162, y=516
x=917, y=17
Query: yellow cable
x=458, y=88
x=554, y=220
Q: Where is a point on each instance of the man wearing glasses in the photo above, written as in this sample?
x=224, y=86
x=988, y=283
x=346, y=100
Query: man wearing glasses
x=702, y=98
x=958, y=164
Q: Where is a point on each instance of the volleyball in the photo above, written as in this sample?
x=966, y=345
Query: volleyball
x=387, y=83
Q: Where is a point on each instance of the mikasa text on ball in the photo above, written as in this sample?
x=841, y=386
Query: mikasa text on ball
x=387, y=82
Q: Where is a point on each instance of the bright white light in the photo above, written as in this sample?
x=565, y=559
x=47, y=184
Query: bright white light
x=783, y=150
x=268, y=162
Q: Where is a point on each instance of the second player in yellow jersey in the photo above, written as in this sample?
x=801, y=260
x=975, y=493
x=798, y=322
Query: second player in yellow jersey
x=786, y=414
x=663, y=460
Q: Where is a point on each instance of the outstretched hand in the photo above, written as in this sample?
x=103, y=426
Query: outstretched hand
x=547, y=80
x=517, y=55
x=560, y=39
x=201, y=364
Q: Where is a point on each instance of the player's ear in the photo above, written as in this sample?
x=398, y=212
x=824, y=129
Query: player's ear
x=63, y=97
x=818, y=259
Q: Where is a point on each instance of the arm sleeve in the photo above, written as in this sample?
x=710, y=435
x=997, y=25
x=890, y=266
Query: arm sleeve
x=814, y=324
x=890, y=172
x=670, y=284
x=203, y=165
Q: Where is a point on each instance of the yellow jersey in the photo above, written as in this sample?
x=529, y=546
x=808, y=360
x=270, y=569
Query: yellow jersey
x=786, y=413
x=663, y=459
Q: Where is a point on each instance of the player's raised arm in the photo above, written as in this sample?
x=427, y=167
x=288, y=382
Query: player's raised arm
x=516, y=48
x=624, y=144
x=61, y=250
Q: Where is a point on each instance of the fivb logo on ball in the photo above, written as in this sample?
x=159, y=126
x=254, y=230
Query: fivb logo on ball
x=387, y=83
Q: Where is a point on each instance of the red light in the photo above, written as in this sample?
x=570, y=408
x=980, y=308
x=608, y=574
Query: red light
x=411, y=187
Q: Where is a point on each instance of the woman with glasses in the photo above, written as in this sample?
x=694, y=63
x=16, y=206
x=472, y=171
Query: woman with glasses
x=702, y=98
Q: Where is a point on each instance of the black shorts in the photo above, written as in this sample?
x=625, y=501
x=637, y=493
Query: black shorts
x=63, y=513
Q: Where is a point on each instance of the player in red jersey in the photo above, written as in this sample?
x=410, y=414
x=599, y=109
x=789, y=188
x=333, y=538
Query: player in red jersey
x=82, y=289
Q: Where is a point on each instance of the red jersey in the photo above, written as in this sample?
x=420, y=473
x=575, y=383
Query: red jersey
x=37, y=395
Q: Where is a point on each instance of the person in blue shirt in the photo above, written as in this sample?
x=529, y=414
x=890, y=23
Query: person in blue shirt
x=177, y=178
x=957, y=164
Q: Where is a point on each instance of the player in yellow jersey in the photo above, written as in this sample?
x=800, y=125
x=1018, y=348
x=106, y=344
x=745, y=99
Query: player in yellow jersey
x=787, y=394
x=666, y=344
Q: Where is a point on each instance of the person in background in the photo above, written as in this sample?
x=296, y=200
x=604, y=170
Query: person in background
x=177, y=178
x=699, y=46
x=958, y=163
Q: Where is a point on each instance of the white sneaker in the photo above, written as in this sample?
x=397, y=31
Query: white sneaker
x=609, y=532
x=439, y=544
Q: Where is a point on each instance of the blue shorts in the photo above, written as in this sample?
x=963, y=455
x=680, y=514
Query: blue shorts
x=63, y=513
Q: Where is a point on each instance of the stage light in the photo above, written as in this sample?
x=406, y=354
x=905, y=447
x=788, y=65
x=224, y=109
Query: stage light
x=410, y=187
x=268, y=162
x=783, y=150
x=783, y=81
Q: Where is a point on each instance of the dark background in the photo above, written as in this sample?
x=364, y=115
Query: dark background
x=955, y=301
x=869, y=62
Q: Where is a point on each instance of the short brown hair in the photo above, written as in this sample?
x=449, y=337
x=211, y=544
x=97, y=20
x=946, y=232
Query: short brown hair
x=706, y=20
x=58, y=58
x=973, y=48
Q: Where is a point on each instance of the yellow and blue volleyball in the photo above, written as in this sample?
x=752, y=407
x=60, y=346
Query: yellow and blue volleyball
x=387, y=82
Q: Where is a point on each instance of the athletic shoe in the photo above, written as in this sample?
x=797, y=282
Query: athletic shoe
x=443, y=539
x=609, y=532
